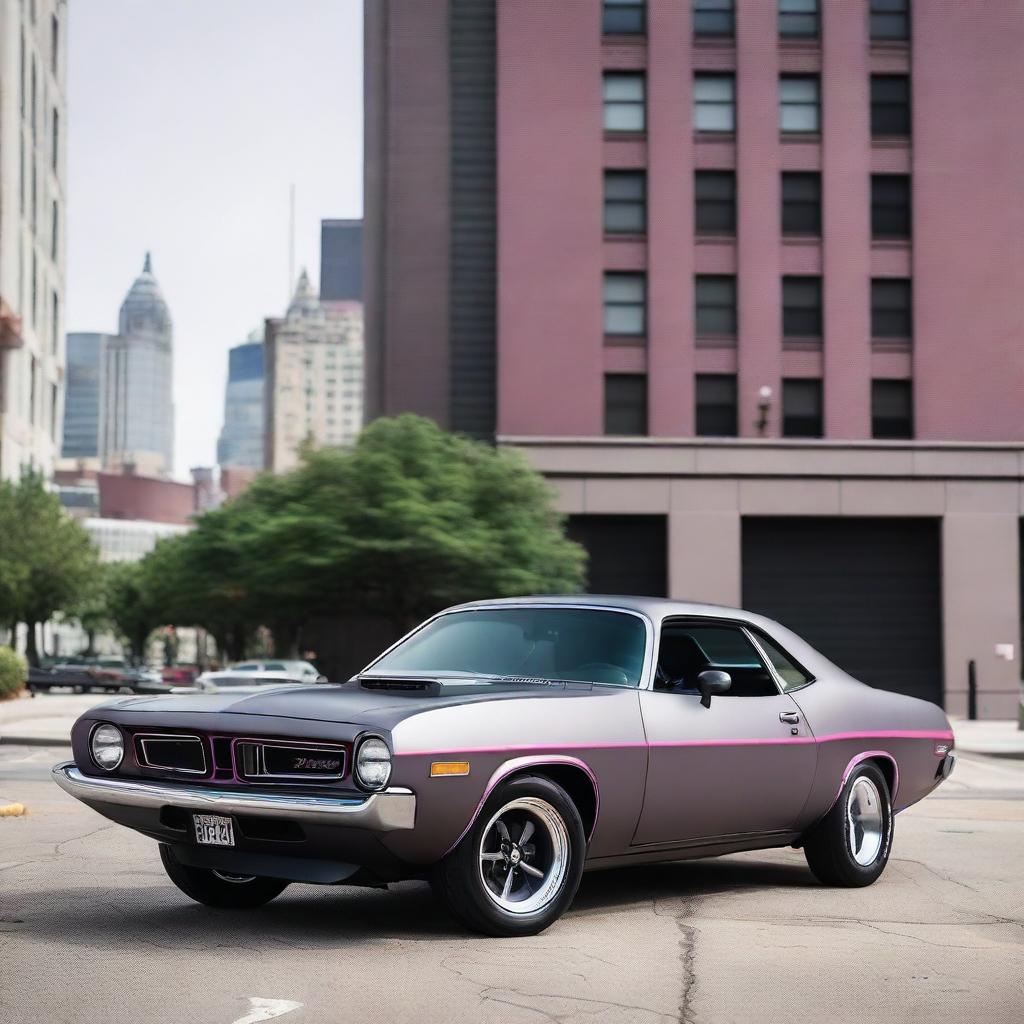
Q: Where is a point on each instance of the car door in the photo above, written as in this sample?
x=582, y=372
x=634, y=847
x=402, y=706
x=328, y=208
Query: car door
x=743, y=765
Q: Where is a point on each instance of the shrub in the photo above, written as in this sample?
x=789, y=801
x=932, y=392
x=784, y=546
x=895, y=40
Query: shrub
x=12, y=672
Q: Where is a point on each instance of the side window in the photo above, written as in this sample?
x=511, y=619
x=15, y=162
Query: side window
x=789, y=671
x=688, y=648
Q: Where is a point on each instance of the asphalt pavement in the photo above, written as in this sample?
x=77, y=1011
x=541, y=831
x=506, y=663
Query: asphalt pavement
x=91, y=930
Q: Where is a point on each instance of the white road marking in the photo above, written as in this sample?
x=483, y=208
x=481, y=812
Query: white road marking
x=266, y=1009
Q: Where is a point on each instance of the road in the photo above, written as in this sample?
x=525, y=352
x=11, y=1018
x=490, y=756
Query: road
x=91, y=930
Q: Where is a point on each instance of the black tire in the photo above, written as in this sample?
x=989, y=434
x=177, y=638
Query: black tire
x=840, y=850
x=219, y=890
x=469, y=890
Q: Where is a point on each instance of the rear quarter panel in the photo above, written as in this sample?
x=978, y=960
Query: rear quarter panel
x=850, y=719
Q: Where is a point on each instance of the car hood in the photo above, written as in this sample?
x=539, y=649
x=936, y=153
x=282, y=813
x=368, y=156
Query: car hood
x=350, y=702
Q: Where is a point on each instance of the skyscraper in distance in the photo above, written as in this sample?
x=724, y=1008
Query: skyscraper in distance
x=241, y=440
x=138, y=424
x=84, y=394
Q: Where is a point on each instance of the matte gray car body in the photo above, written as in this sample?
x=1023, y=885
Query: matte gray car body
x=655, y=775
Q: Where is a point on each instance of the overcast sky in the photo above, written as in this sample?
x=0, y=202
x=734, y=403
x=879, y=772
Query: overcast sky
x=188, y=119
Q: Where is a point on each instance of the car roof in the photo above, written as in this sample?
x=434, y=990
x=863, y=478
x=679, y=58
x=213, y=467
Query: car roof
x=654, y=607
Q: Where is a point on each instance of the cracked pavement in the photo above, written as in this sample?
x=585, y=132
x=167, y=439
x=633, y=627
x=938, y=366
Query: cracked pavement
x=91, y=929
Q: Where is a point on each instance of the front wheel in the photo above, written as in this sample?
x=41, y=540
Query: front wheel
x=850, y=845
x=220, y=888
x=518, y=868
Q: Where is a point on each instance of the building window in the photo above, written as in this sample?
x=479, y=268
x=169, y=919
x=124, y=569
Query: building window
x=801, y=307
x=801, y=408
x=54, y=44
x=890, y=106
x=714, y=103
x=625, y=300
x=54, y=321
x=890, y=19
x=891, y=308
x=625, y=202
x=801, y=203
x=54, y=230
x=799, y=104
x=624, y=17
x=714, y=18
x=716, y=405
x=716, y=306
x=625, y=404
x=798, y=19
x=55, y=137
x=892, y=409
x=624, y=101
x=890, y=205
x=715, y=202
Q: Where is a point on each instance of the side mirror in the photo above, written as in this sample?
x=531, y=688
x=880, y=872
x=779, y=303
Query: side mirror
x=711, y=681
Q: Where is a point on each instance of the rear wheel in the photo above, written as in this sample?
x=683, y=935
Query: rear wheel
x=518, y=868
x=850, y=845
x=220, y=888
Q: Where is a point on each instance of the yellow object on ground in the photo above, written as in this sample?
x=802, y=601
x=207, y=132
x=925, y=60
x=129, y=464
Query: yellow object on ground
x=11, y=810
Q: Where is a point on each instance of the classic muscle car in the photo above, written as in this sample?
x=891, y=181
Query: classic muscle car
x=503, y=747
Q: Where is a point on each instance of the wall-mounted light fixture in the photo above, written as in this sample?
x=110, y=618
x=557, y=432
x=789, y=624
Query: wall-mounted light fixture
x=764, y=403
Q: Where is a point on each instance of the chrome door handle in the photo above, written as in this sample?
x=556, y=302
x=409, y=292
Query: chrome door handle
x=789, y=717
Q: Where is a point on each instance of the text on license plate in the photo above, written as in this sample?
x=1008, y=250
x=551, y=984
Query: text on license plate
x=214, y=830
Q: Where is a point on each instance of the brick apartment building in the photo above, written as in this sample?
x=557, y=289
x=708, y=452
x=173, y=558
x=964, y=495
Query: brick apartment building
x=744, y=280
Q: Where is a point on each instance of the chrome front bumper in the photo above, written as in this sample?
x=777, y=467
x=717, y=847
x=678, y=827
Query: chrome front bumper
x=386, y=811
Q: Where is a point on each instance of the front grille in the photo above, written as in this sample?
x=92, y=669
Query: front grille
x=171, y=752
x=279, y=761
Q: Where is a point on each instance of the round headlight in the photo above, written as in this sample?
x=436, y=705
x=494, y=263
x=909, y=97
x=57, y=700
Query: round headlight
x=107, y=747
x=373, y=763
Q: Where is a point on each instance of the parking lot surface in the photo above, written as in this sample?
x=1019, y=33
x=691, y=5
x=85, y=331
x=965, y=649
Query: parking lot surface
x=92, y=930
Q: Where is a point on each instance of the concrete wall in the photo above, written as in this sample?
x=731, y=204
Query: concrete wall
x=706, y=489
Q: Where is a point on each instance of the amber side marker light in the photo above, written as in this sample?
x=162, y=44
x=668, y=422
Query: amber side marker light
x=449, y=768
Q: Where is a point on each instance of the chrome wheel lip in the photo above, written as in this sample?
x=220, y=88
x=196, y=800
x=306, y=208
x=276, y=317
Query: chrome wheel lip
x=541, y=892
x=865, y=823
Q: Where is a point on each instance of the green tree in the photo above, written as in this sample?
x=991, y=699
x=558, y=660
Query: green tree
x=52, y=556
x=130, y=605
x=409, y=520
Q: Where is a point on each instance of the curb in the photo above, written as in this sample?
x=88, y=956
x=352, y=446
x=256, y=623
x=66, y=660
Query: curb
x=36, y=741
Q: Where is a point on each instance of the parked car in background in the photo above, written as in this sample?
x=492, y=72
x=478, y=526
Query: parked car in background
x=301, y=671
x=504, y=747
x=240, y=683
x=86, y=675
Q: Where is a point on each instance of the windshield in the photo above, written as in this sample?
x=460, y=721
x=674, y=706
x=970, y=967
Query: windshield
x=582, y=644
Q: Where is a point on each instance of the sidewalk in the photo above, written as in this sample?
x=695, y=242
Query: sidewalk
x=46, y=720
x=995, y=738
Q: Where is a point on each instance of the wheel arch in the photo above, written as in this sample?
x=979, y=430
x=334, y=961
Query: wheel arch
x=573, y=775
x=883, y=761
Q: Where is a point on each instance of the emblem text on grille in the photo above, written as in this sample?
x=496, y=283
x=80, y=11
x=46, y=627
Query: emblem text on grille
x=318, y=764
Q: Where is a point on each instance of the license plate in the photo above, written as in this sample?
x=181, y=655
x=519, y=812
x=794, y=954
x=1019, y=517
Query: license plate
x=213, y=830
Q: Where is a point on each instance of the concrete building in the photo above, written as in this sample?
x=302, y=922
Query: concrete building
x=32, y=204
x=341, y=260
x=314, y=376
x=241, y=439
x=127, y=540
x=743, y=280
x=138, y=424
x=84, y=395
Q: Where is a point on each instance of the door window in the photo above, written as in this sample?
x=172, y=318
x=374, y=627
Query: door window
x=687, y=649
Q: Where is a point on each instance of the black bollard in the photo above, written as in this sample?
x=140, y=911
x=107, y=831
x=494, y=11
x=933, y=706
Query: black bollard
x=972, y=690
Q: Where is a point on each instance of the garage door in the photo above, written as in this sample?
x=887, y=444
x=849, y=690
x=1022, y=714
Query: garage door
x=627, y=553
x=865, y=592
